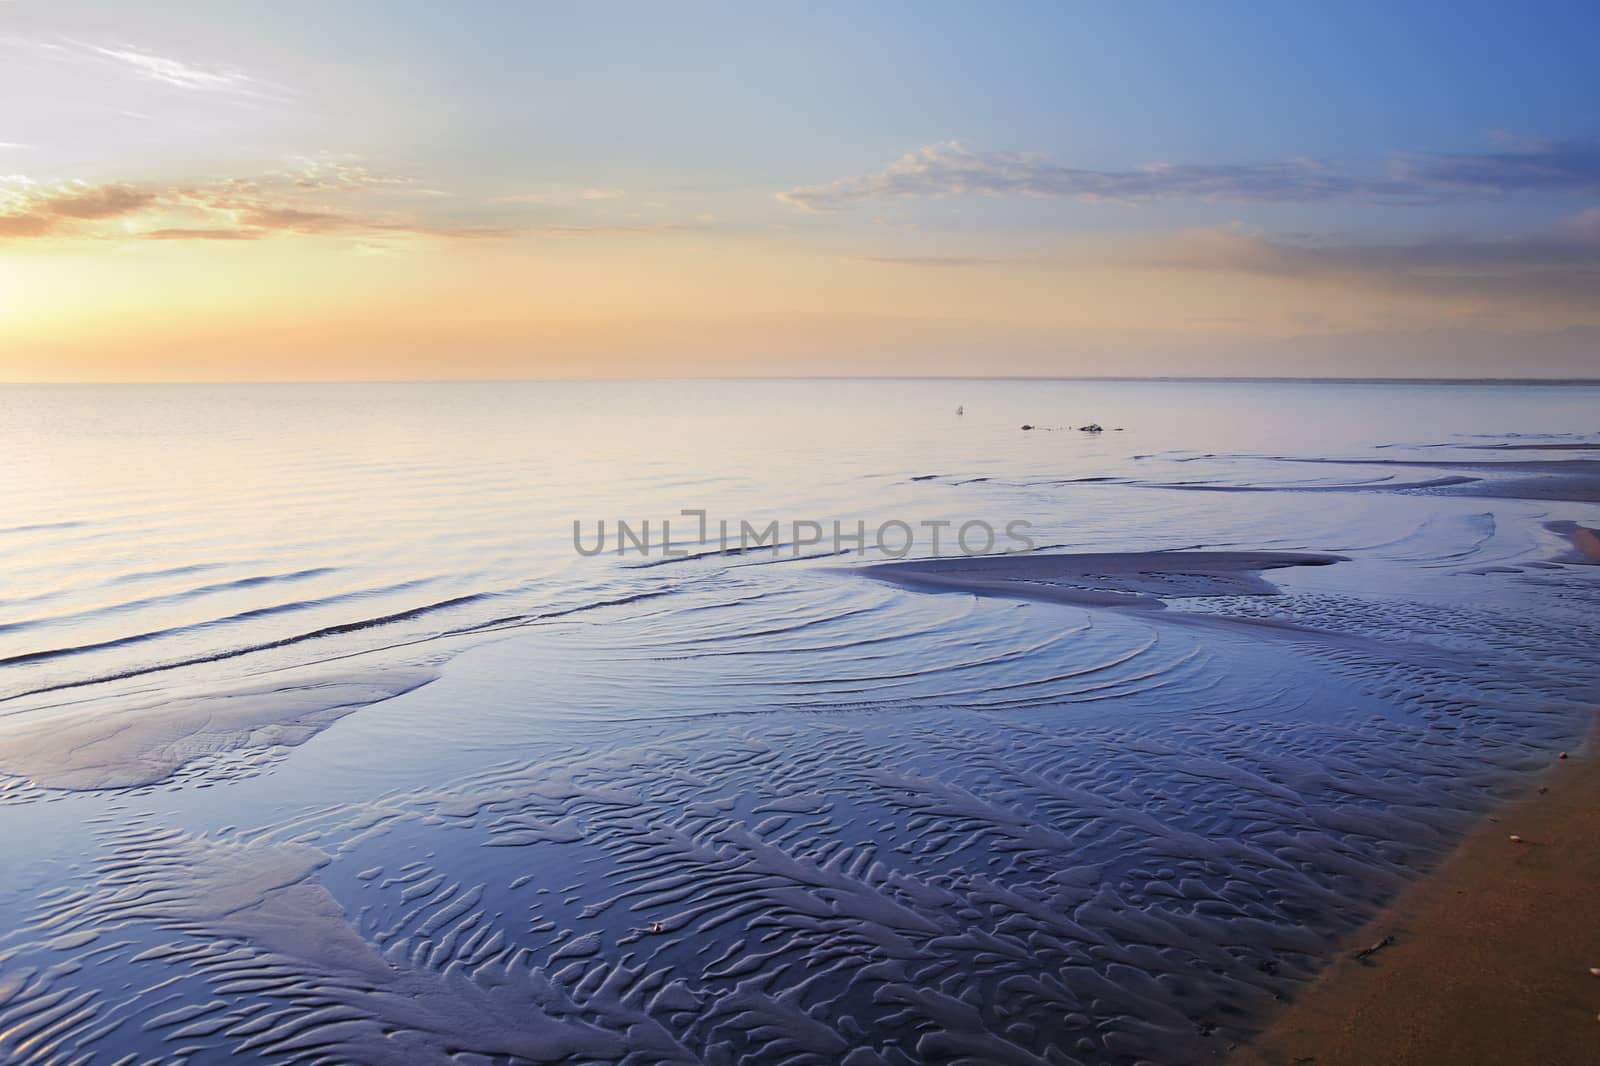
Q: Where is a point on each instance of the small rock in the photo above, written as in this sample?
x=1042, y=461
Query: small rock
x=1092, y=427
x=1027, y=427
x=1594, y=971
x=1563, y=755
x=1514, y=838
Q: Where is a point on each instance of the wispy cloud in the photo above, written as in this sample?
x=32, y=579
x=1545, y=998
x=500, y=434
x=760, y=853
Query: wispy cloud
x=1547, y=166
x=139, y=63
x=950, y=169
x=42, y=213
x=1556, y=266
x=173, y=71
x=1583, y=227
x=564, y=195
x=301, y=201
x=934, y=260
x=333, y=173
x=311, y=197
x=614, y=229
x=97, y=202
x=200, y=233
x=180, y=74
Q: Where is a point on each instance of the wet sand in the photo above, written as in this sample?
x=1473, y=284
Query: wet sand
x=1101, y=579
x=147, y=742
x=1490, y=958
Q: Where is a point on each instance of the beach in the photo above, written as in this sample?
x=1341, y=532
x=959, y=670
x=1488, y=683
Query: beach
x=895, y=534
x=1488, y=958
x=344, y=751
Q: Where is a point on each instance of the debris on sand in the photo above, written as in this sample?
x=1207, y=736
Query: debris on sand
x=1366, y=953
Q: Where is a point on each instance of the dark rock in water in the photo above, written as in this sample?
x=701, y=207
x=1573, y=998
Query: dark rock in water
x=1092, y=427
x=1027, y=427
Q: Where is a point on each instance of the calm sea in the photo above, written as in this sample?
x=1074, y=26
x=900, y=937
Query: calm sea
x=177, y=533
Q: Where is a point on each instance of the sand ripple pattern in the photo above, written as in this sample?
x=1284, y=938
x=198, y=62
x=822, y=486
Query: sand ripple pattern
x=990, y=880
x=291, y=796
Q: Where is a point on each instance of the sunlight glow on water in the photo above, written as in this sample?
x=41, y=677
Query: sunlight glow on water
x=146, y=525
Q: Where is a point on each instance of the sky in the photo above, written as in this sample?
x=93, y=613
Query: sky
x=390, y=191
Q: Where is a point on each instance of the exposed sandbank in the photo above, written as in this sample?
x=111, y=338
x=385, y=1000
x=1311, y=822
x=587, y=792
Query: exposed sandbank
x=1118, y=579
x=149, y=742
x=1490, y=958
x=1567, y=480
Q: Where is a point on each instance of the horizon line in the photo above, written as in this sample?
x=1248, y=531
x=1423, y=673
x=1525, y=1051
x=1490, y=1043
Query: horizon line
x=1168, y=378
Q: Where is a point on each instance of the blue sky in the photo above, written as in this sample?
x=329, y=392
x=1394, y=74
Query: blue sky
x=1335, y=156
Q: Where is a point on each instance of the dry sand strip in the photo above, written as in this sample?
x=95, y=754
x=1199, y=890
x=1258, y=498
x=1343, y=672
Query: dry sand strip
x=1490, y=959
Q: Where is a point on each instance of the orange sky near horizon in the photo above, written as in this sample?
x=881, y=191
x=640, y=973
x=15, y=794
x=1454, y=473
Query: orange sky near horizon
x=298, y=192
x=312, y=307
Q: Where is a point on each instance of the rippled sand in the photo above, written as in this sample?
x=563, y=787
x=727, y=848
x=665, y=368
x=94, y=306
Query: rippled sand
x=1091, y=805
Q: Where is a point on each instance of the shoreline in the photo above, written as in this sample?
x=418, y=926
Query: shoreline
x=1484, y=960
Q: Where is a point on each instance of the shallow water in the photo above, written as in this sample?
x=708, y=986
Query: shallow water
x=746, y=807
